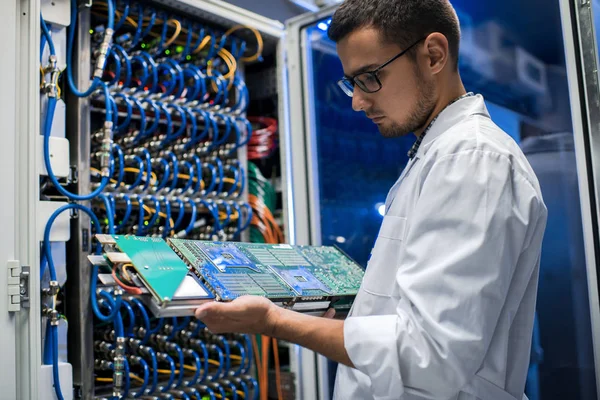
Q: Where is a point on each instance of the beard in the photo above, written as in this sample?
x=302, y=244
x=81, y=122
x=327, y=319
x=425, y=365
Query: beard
x=419, y=115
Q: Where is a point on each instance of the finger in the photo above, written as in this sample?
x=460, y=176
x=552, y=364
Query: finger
x=330, y=313
x=208, y=309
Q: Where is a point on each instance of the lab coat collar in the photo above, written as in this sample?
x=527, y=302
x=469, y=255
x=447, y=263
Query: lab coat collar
x=453, y=115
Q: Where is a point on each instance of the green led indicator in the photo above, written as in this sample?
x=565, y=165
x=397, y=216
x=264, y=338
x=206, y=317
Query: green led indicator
x=143, y=45
x=188, y=57
x=91, y=31
x=106, y=221
x=146, y=223
x=167, y=52
x=179, y=49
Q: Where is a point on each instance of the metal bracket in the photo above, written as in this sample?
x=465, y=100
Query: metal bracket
x=18, y=286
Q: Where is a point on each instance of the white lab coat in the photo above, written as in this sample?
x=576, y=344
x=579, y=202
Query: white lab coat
x=446, y=307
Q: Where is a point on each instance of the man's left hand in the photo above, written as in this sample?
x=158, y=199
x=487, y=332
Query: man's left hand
x=246, y=314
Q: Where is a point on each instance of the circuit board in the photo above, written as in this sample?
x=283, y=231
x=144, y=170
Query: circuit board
x=155, y=262
x=275, y=271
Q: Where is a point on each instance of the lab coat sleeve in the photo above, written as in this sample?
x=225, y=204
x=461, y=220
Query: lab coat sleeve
x=464, y=239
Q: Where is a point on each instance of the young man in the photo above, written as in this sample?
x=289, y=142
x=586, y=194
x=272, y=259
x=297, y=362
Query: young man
x=446, y=307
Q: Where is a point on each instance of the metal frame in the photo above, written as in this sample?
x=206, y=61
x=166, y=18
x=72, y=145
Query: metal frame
x=80, y=339
x=582, y=61
x=303, y=173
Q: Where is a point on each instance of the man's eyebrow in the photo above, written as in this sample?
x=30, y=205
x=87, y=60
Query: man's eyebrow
x=365, y=68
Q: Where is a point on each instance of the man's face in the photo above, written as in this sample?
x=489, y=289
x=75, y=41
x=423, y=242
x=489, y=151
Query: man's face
x=407, y=96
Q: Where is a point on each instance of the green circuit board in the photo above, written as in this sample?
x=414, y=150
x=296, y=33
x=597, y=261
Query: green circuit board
x=155, y=262
x=275, y=271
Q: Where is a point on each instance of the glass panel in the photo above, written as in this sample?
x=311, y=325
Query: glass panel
x=512, y=53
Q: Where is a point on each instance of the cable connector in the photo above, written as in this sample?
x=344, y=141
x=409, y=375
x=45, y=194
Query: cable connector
x=103, y=52
x=52, y=290
x=52, y=314
x=106, y=149
x=119, y=367
x=51, y=88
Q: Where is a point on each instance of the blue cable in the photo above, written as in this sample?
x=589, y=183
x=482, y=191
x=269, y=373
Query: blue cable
x=150, y=24
x=205, y=132
x=190, y=226
x=47, y=132
x=127, y=60
x=155, y=216
x=117, y=72
x=236, y=179
x=143, y=122
x=227, y=355
x=156, y=121
x=125, y=304
x=238, y=138
x=121, y=158
x=181, y=213
x=245, y=389
x=220, y=389
x=139, y=59
x=166, y=174
x=198, y=362
x=112, y=307
x=240, y=370
x=188, y=41
x=228, y=212
x=46, y=247
x=221, y=174
x=249, y=353
x=205, y=357
x=55, y=374
x=198, y=165
x=46, y=33
x=255, y=389
x=213, y=173
x=138, y=29
x=243, y=179
x=148, y=158
x=219, y=371
x=163, y=36
x=152, y=69
x=233, y=390
x=47, y=356
x=190, y=72
x=127, y=213
x=95, y=306
x=183, y=125
x=169, y=120
x=140, y=174
x=142, y=389
x=154, y=369
x=168, y=227
x=239, y=219
x=145, y=319
x=227, y=121
x=193, y=120
x=181, y=364
x=175, y=169
x=190, y=181
x=141, y=228
x=172, y=377
x=249, y=217
x=210, y=392
x=42, y=45
x=215, y=213
x=158, y=326
x=248, y=130
x=110, y=215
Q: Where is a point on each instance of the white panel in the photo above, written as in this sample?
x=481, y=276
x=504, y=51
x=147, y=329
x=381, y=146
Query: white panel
x=56, y=11
x=59, y=156
x=8, y=150
x=46, y=384
x=61, y=229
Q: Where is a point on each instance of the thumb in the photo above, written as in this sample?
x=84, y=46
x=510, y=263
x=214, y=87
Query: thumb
x=330, y=313
x=205, y=309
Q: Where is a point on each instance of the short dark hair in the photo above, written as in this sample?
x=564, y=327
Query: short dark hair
x=400, y=21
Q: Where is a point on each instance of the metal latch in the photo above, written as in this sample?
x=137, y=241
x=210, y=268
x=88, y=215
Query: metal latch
x=18, y=286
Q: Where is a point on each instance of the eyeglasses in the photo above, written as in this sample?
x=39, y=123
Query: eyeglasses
x=368, y=81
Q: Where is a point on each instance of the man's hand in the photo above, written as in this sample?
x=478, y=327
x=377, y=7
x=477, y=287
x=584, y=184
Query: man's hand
x=257, y=315
x=246, y=314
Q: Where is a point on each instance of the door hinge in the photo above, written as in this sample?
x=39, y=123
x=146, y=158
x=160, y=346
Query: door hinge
x=18, y=286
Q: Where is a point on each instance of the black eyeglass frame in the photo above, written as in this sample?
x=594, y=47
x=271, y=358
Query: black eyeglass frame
x=373, y=73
